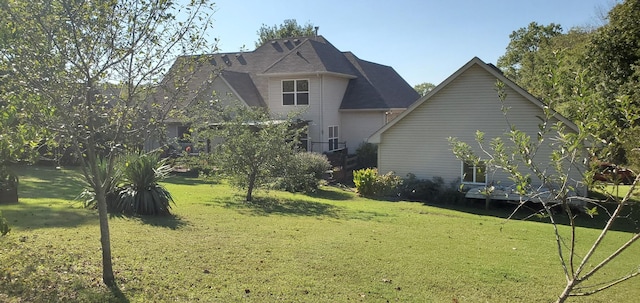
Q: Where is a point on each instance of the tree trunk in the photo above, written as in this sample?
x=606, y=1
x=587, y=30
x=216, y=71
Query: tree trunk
x=566, y=292
x=107, y=268
x=250, y=186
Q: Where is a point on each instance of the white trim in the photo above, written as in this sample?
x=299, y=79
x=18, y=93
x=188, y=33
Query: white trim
x=336, y=138
x=295, y=92
x=474, y=177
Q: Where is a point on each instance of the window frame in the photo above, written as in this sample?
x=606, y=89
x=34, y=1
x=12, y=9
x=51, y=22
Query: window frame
x=333, y=137
x=304, y=141
x=183, y=133
x=295, y=92
x=474, y=168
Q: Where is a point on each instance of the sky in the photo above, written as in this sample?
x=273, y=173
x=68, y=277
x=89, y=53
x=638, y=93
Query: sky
x=424, y=41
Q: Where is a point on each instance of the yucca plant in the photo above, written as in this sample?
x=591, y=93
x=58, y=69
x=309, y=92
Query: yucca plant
x=89, y=196
x=141, y=194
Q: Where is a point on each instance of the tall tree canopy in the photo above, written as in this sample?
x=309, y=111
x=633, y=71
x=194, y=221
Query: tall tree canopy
x=585, y=74
x=614, y=58
x=18, y=134
x=424, y=88
x=290, y=28
x=615, y=50
x=94, y=64
x=521, y=62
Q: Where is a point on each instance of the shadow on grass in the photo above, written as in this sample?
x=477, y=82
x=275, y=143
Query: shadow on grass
x=48, y=182
x=331, y=195
x=118, y=296
x=266, y=206
x=185, y=180
x=30, y=216
x=627, y=222
x=173, y=222
x=263, y=206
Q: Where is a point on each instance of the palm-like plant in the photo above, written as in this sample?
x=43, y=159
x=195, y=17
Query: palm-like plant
x=89, y=196
x=141, y=194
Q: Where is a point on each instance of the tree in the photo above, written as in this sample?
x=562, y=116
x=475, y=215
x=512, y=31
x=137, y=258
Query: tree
x=19, y=136
x=615, y=49
x=255, y=147
x=72, y=53
x=424, y=88
x=614, y=63
x=290, y=28
x=570, y=150
x=520, y=62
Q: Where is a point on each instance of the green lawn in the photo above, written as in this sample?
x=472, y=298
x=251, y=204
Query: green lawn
x=328, y=247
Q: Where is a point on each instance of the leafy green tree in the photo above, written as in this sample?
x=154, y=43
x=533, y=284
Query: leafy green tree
x=254, y=147
x=615, y=50
x=290, y=28
x=424, y=88
x=69, y=55
x=520, y=62
x=614, y=57
x=20, y=132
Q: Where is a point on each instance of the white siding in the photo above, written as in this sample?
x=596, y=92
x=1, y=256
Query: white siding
x=325, y=96
x=418, y=143
x=358, y=126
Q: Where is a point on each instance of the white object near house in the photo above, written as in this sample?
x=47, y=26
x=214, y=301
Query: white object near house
x=417, y=141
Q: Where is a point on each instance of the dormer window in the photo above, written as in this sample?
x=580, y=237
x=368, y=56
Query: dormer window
x=295, y=92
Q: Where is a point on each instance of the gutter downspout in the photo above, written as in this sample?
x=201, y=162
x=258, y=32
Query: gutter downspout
x=321, y=112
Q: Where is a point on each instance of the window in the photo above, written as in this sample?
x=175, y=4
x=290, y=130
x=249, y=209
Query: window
x=333, y=137
x=295, y=92
x=474, y=173
x=304, y=141
x=183, y=134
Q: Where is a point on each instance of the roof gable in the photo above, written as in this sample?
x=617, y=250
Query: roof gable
x=311, y=56
x=493, y=71
x=377, y=86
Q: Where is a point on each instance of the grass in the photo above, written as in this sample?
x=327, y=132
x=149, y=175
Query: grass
x=331, y=246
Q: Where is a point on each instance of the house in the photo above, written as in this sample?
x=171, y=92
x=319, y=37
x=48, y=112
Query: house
x=343, y=98
x=417, y=141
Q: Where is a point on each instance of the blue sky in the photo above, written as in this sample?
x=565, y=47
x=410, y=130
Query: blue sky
x=424, y=41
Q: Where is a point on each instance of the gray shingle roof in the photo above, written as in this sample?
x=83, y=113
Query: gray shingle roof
x=371, y=85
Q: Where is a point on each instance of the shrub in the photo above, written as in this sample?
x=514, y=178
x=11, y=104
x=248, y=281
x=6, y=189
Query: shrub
x=370, y=184
x=367, y=155
x=419, y=189
x=4, y=225
x=432, y=191
x=201, y=165
x=303, y=173
x=141, y=194
x=365, y=181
